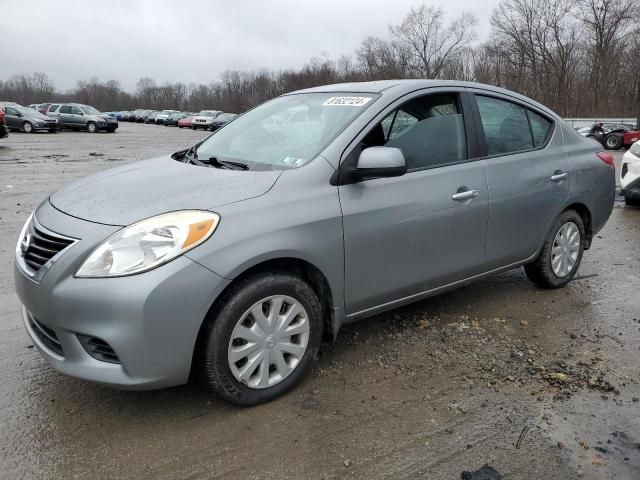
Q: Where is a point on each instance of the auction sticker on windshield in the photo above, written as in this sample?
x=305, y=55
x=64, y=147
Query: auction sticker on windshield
x=347, y=101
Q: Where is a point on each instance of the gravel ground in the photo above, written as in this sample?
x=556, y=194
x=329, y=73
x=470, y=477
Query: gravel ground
x=537, y=384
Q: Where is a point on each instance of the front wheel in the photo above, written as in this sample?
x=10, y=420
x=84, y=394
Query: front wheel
x=561, y=253
x=262, y=338
x=91, y=127
x=27, y=127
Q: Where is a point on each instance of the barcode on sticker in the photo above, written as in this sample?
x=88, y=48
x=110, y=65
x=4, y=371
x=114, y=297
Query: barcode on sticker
x=347, y=101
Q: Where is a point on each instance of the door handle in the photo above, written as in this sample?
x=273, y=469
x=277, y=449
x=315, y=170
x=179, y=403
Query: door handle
x=466, y=195
x=558, y=176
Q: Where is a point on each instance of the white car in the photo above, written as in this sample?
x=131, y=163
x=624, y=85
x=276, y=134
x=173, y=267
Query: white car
x=204, y=119
x=162, y=116
x=630, y=175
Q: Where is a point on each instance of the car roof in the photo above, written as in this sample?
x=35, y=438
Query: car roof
x=404, y=86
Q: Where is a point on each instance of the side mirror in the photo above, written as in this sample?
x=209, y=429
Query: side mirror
x=380, y=162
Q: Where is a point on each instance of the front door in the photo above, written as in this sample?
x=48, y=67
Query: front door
x=407, y=235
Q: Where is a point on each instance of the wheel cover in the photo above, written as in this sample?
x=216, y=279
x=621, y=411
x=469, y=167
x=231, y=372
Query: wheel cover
x=28, y=127
x=268, y=342
x=612, y=141
x=565, y=250
x=91, y=128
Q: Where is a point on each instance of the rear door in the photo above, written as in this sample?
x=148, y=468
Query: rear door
x=407, y=235
x=76, y=117
x=64, y=115
x=528, y=173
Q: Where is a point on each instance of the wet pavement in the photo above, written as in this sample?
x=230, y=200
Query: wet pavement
x=534, y=383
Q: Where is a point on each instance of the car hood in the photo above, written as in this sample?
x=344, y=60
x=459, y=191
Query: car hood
x=125, y=195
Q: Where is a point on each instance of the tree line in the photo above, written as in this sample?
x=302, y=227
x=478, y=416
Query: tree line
x=578, y=57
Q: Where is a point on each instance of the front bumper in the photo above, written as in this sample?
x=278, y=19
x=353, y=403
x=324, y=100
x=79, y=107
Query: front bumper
x=150, y=321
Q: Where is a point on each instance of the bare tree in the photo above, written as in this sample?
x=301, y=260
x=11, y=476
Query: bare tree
x=430, y=44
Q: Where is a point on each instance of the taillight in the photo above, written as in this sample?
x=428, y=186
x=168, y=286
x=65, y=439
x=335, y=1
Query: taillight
x=607, y=158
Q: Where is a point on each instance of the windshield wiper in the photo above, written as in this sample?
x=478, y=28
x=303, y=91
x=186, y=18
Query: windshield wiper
x=214, y=162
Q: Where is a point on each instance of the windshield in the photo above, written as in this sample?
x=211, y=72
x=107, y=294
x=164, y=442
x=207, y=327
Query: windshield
x=90, y=111
x=30, y=112
x=286, y=132
x=226, y=116
x=207, y=113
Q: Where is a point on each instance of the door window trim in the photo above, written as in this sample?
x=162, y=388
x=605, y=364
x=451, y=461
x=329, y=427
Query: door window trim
x=470, y=128
x=505, y=98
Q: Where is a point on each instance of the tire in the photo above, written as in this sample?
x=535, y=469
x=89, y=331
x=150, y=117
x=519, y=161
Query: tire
x=613, y=141
x=224, y=325
x=632, y=202
x=193, y=127
x=541, y=271
x=27, y=127
x=91, y=127
x=53, y=130
x=179, y=126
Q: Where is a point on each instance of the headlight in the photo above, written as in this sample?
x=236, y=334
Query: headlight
x=635, y=149
x=149, y=243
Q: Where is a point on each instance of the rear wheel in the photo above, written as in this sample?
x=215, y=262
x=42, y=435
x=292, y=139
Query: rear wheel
x=613, y=141
x=91, y=127
x=27, y=127
x=262, y=338
x=561, y=253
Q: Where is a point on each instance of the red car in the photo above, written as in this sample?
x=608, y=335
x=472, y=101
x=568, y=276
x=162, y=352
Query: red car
x=4, y=131
x=185, y=122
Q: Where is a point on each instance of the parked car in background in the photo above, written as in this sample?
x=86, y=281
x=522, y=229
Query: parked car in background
x=4, y=131
x=630, y=175
x=142, y=115
x=204, y=119
x=164, y=114
x=77, y=116
x=174, y=118
x=613, y=136
x=221, y=120
x=28, y=120
x=351, y=215
x=43, y=107
x=151, y=118
x=186, y=121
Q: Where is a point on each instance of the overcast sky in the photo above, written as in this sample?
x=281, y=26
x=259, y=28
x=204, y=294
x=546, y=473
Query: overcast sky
x=191, y=41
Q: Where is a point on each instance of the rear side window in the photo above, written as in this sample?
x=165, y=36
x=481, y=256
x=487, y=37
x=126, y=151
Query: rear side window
x=65, y=109
x=540, y=128
x=53, y=108
x=505, y=125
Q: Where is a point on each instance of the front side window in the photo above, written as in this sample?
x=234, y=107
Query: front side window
x=429, y=130
x=76, y=111
x=10, y=111
x=286, y=132
x=505, y=125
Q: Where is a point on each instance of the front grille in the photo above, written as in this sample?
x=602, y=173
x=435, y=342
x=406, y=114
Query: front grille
x=45, y=334
x=38, y=246
x=625, y=169
x=99, y=349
